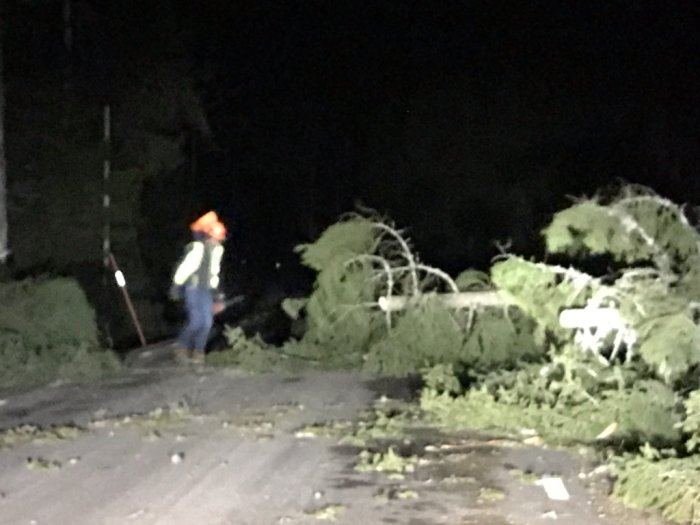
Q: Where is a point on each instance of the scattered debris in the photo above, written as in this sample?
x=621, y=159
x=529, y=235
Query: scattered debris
x=407, y=494
x=305, y=434
x=526, y=478
x=528, y=432
x=43, y=464
x=153, y=435
x=389, y=462
x=327, y=513
x=34, y=434
x=261, y=423
x=489, y=494
x=332, y=429
x=535, y=441
x=600, y=470
x=386, y=494
x=554, y=488
x=151, y=421
x=455, y=480
x=457, y=457
x=608, y=431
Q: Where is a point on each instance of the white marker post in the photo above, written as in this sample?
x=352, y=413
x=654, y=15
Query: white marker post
x=121, y=282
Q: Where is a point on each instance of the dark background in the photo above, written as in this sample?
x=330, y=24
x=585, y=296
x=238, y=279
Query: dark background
x=467, y=122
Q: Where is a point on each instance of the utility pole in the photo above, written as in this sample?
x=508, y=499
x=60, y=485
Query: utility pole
x=4, y=249
x=106, y=243
x=106, y=200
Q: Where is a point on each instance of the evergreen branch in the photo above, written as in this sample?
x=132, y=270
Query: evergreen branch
x=406, y=251
x=389, y=275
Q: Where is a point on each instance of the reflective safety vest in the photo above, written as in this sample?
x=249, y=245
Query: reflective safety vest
x=200, y=266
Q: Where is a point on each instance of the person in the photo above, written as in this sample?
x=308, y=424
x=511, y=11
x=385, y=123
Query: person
x=196, y=280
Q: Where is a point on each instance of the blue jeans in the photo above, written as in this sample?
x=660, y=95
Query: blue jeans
x=198, y=303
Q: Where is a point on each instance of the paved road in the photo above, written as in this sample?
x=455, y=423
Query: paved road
x=225, y=451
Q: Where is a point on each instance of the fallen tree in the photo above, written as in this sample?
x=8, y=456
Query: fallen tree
x=364, y=262
x=467, y=300
x=623, y=349
x=533, y=348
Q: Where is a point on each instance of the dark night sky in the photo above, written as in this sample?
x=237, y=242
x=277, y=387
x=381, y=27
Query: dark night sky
x=467, y=121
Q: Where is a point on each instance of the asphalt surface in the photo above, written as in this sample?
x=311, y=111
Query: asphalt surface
x=166, y=444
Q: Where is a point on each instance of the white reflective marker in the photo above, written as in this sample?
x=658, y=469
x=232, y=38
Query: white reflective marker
x=119, y=276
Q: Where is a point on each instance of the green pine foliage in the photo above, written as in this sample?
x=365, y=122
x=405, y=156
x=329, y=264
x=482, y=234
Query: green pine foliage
x=670, y=345
x=48, y=332
x=249, y=353
x=589, y=394
x=431, y=334
x=497, y=339
x=642, y=413
x=47, y=311
x=542, y=291
x=338, y=316
x=339, y=243
x=691, y=423
x=423, y=336
x=345, y=326
x=515, y=369
x=470, y=280
x=339, y=322
x=587, y=227
x=668, y=485
x=654, y=303
x=664, y=222
x=634, y=226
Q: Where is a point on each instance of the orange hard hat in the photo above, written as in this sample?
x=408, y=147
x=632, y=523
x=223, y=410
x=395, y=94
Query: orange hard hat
x=205, y=222
x=217, y=231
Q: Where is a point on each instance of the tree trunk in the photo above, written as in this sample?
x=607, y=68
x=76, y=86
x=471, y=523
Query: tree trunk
x=4, y=251
x=491, y=298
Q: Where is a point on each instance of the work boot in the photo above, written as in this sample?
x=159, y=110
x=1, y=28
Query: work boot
x=198, y=357
x=181, y=355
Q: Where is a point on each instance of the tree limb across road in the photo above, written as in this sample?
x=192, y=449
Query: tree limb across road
x=483, y=298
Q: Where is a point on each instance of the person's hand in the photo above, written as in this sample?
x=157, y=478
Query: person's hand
x=219, y=302
x=175, y=293
x=218, y=307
